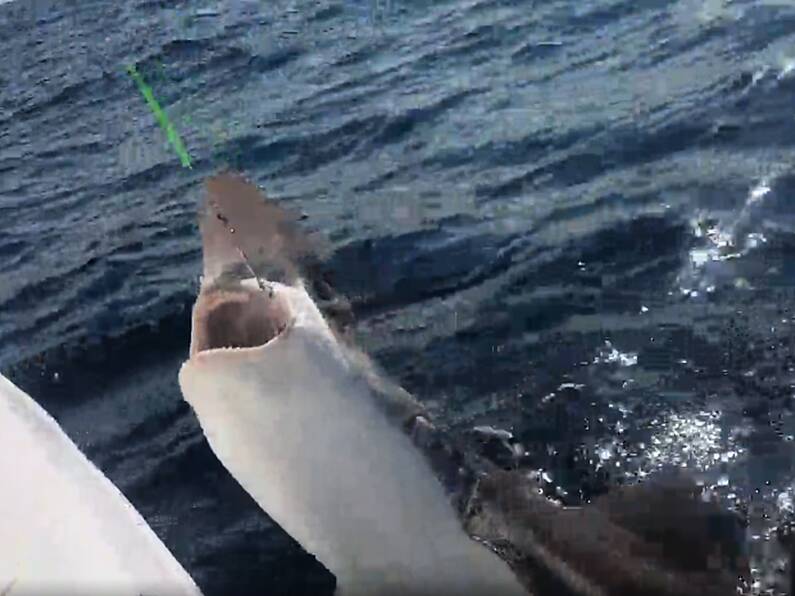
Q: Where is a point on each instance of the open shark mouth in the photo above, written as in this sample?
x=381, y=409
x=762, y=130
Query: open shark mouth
x=245, y=239
x=238, y=317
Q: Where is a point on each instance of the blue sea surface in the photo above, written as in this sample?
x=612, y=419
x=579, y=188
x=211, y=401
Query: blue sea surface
x=574, y=220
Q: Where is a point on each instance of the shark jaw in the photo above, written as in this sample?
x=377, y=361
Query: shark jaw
x=295, y=420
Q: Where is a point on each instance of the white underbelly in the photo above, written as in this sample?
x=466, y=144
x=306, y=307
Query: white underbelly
x=321, y=459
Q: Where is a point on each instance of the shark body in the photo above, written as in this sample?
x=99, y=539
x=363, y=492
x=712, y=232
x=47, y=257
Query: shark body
x=352, y=467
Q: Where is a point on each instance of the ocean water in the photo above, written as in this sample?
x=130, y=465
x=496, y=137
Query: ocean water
x=573, y=220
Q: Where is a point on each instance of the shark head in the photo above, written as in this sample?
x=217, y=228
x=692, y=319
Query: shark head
x=251, y=291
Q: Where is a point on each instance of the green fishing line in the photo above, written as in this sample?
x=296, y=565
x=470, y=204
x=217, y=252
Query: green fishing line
x=160, y=115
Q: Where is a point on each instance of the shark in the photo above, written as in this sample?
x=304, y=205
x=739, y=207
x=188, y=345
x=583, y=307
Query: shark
x=64, y=526
x=355, y=469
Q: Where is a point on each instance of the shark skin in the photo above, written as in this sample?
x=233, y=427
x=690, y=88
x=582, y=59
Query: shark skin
x=353, y=468
x=295, y=421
